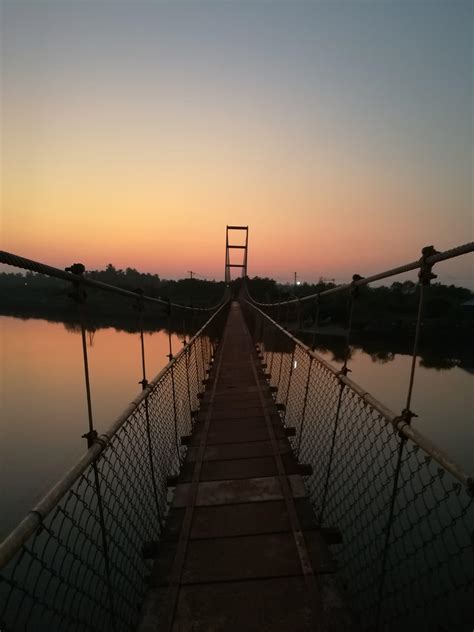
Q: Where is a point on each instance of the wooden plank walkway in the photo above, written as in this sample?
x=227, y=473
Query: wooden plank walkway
x=241, y=549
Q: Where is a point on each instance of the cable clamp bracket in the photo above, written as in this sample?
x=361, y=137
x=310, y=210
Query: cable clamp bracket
x=425, y=274
x=344, y=371
x=91, y=437
x=40, y=518
x=78, y=294
x=405, y=417
x=355, y=288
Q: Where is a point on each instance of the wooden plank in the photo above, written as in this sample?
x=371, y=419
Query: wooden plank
x=238, y=491
x=241, y=548
x=238, y=468
x=238, y=450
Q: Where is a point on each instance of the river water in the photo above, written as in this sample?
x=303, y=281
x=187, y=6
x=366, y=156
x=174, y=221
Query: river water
x=43, y=402
x=44, y=413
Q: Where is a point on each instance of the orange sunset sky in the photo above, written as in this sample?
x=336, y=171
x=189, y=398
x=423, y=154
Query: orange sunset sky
x=340, y=132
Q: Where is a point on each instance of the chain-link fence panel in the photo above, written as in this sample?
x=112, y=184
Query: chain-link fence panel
x=430, y=552
x=75, y=562
x=295, y=392
x=404, y=511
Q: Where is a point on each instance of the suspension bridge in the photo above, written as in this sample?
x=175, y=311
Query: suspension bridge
x=251, y=485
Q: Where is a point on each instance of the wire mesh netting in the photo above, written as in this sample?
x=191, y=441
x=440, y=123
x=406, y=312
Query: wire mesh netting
x=407, y=523
x=82, y=568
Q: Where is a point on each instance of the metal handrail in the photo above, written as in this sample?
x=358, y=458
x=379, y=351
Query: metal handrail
x=399, y=424
x=11, y=259
x=26, y=528
x=359, y=282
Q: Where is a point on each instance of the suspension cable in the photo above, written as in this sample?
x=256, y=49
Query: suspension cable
x=429, y=260
x=69, y=275
x=425, y=277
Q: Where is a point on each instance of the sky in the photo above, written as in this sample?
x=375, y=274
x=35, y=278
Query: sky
x=340, y=132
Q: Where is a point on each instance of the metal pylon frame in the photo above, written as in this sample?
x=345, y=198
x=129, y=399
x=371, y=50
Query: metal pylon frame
x=229, y=247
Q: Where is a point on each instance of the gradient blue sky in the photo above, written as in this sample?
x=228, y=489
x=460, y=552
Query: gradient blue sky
x=341, y=132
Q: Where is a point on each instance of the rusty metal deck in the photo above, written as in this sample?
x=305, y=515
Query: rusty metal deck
x=241, y=548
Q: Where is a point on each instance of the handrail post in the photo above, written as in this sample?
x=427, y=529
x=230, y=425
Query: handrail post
x=331, y=453
x=388, y=527
x=173, y=390
x=140, y=307
x=188, y=385
x=264, y=337
x=105, y=547
x=175, y=414
x=272, y=353
x=79, y=295
x=303, y=412
x=203, y=363
x=344, y=371
x=425, y=276
x=196, y=363
x=353, y=294
x=289, y=382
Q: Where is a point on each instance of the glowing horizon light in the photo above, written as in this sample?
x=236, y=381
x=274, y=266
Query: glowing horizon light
x=113, y=150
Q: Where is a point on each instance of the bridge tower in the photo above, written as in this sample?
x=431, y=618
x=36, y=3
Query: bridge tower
x=229, y=247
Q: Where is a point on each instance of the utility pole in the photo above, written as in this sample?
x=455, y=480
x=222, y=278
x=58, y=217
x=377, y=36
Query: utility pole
x=295, y=281
x=191, y=273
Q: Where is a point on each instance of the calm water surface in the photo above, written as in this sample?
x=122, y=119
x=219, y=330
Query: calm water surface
x=43, y=407
x=443, y=399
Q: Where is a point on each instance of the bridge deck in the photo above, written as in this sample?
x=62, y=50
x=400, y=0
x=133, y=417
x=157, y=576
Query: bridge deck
x=241, y=549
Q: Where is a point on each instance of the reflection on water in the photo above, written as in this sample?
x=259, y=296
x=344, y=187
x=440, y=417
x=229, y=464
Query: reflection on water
x=44, y=410
x=426, y=556
x=43, y=407
x=442, y=399
x=441, y=354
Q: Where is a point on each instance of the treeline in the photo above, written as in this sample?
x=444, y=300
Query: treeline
x=34, y=295
x=384, y=319
x=32, y=288
x=399, y=300
x=377, y=308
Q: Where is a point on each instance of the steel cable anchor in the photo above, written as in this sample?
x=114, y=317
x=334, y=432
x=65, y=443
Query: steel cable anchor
x=425, y=274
